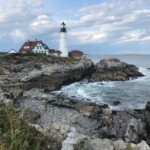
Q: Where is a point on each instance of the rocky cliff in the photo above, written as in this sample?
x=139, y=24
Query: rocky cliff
x=114, y=70
x=83, y=125
x=19, y=73
x=28, y=81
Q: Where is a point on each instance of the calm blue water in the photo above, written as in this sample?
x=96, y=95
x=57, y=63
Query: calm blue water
x=131, y=94
x=139, y=60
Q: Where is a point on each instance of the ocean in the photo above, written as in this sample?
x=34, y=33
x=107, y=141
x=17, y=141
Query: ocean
x=132, y=94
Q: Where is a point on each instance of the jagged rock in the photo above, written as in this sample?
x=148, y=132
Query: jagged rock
x=133, y=129
x=54, y=76
x=114, y=70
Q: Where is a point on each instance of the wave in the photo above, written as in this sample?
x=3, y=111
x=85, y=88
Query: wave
x=132, y=94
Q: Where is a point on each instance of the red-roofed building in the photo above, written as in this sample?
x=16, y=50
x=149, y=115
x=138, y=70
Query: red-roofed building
x=35, y=47
x=76, y=54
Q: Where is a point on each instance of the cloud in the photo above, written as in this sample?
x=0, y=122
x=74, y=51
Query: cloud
x=18, y=35
x=42, y=24
x=116, y=21
x=16, y=16
x=134, y=36
x=90, y=37
x=114, y=18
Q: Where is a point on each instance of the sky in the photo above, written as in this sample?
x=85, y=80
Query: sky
x=93, y=26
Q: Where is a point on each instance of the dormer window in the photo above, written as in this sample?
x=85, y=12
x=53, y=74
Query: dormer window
x=26, y=47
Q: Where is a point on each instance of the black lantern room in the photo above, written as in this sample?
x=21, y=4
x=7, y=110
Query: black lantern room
x=63, y=27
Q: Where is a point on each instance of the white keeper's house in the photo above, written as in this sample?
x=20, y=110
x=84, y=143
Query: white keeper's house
x=38, y=47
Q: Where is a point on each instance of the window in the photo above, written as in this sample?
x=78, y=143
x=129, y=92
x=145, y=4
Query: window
x=26, y=47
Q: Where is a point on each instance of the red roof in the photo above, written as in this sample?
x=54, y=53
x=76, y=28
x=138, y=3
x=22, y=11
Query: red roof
x=31, y=45
x=75, y=51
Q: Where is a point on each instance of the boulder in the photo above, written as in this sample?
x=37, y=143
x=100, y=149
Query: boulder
x=114, y=70
x=116, y=103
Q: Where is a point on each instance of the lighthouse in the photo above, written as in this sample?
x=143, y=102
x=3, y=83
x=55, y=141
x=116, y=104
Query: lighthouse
x=63, y=40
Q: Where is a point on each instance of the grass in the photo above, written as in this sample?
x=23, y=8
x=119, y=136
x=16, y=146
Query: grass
x=20, y=58
x=16, y=135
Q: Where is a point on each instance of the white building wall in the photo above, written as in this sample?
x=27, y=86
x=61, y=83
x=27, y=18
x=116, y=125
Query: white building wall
x=12, y=51
x=40, y=49
x=63, y=47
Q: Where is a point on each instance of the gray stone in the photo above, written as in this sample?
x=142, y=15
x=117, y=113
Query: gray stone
x=120, y=145
x=115, y=70
x=98, y=144
x=133, y=129
x=143, y=146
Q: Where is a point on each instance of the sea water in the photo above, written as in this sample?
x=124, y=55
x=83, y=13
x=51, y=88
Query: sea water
x=132, y=94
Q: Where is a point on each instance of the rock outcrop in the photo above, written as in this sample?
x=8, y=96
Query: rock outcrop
x=70, y=123
x=132, y=126
x=53, y=76
x=114, y=70
x=19, y=73
x=69, y=139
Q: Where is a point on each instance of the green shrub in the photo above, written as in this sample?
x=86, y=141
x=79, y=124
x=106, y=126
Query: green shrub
x=16, y=135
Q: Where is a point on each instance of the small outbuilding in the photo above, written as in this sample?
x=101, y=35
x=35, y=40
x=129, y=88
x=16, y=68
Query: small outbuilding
x=76, y=54
x=12, y=51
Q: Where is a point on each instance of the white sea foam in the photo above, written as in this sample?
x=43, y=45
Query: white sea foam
x=131, y=94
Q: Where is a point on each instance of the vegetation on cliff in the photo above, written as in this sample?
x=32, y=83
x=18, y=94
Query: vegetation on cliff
x=17, y=135
x=19, y=58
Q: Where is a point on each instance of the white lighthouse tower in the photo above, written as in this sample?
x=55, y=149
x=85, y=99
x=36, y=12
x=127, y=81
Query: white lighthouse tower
x=63, y=47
